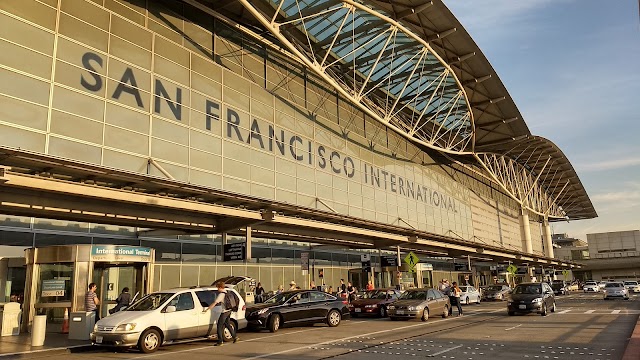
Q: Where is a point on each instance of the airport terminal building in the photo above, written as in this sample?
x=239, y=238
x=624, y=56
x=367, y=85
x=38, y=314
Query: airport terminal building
x=307, y=133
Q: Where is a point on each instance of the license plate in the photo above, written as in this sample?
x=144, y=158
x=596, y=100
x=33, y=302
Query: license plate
x=98, y=339
x=400, y=312
x=522, y=306
x=357, y=310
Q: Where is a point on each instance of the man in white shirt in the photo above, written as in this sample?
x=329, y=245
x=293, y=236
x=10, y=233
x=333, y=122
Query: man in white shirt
x=223, y=320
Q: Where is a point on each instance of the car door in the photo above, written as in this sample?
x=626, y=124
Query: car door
x=434, y=303
x=548, y=296
x=182, y=323
x=207, y=320
x=297, y=308
x=319, y=305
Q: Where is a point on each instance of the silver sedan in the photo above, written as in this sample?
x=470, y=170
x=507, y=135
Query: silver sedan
x=615, y=289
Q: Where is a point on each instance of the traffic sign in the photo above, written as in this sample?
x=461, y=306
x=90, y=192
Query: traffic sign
x=565, y=273
x=412, y=260
x=512, y=269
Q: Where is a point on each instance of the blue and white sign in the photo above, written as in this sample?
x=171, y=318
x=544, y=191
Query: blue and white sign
x=120, y=253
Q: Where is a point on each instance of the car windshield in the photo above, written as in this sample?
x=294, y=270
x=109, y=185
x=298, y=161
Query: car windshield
x=613, y=285
x=591, y=283
x=527, y=289
x=414, y=295
x=150, y=302
x=279, y=298
x=631, y=283
x=375, y=294
x=494, y=288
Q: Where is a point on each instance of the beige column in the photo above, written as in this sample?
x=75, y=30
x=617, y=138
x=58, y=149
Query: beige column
x=248, y=245
x=525, y=231
x=546, y=235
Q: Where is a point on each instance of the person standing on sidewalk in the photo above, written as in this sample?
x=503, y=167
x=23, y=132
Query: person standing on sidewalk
x=223, y=320
x=91, y=300
x=456, y=292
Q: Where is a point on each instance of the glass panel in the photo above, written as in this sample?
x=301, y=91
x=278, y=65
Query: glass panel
x=55, y=283
x=165, y=251
x=201, y=253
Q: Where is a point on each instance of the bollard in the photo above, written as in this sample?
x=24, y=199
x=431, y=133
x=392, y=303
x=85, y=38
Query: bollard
x=38, y=330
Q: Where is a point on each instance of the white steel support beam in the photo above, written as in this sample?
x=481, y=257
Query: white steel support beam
x=548, y=241
x=525, y=230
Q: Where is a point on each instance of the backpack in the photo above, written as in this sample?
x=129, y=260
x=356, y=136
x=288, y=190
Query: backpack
x=231, y=301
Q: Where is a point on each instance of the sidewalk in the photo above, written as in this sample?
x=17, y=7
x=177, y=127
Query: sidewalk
x=21, y=344
x=632, y=351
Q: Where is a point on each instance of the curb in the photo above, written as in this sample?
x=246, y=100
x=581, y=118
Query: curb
x=632, y=352
x=67, y=349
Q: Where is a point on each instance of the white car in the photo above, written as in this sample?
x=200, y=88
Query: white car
x=166, y=316
x=469, y=295
x=615, y=289
x=590, y=286
x=632, y=286
x=601, y=285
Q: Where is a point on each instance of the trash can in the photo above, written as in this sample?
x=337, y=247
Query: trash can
x=10, y=315
x=81, y=325
x=38, y=330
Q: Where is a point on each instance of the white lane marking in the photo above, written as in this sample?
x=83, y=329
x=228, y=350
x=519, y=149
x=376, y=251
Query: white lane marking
x=511, y=328
x=615, y=312
x=589, y=311
x=444, y=351
x=351, y=337
x=564, y=311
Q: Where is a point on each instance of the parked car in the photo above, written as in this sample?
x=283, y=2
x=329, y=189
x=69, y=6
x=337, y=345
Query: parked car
x=531, y=297
x=632, y=286
x=166, y=316
x=559, y=287
x=615, y=289
x=590, y=286
x=601, y=285
x=297, y=307
x=374, y=302
x=469, y=295
x=496, y=292
x=419, y=304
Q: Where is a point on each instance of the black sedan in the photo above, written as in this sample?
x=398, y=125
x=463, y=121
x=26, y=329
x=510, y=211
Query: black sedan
x=531, y=297
x=296, y=308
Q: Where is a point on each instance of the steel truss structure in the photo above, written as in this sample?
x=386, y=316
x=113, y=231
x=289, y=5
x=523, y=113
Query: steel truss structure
x=398, y=78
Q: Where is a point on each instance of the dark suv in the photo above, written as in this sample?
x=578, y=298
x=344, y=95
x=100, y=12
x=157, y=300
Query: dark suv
x=532, y=297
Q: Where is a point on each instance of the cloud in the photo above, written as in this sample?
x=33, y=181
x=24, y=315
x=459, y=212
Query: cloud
x=607, y=165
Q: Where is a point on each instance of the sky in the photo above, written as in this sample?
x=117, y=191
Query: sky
x=573, y=69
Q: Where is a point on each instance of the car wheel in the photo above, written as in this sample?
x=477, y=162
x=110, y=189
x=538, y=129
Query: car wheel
x=149, y=341
x=274, y=323
x=478, y=301
x=383, y=311
x=333, y=318
x=553, y=308
x=445, y=314
x=227, y=333
x=425, y=315
x=544, y=310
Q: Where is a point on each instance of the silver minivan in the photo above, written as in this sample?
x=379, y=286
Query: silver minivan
x=166, y=316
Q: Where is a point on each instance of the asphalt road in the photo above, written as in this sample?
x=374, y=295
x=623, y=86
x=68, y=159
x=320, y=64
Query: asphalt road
x=584, y=327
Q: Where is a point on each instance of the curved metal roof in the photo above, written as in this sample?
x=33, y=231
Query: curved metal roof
x=404, y=61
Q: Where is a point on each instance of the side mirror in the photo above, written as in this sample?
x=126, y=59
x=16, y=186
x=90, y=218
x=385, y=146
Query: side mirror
x=170, y=309
x=429, y=298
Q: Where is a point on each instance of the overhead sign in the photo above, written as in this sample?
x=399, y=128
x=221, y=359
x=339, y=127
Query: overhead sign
x=512, y=269
x=304, y=260
x=522, y=270
x=366, y=266
x=412, y=260
x=365, y=257
x=53, y=288
x=461, y=266
x=120, y=253
x=234, y=252
x=389, y=260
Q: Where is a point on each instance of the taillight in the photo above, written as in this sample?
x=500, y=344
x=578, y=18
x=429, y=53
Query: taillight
x=345, y=302
x=244, y=307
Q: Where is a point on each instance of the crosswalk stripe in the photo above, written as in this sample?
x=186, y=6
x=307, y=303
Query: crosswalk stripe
x=589, y=311
x=615, y=312
x=564, y=311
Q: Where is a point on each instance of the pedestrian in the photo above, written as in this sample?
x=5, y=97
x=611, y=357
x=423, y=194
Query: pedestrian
x=259, y=293
x=351, y=292
x=122, y=301
x=370, y=285
x=312, y=285
x=342, y=289
x=330, y=290
x=223, y=320
x=280, y=289
x=292, y=285
x=91, y=300
x=455, y=290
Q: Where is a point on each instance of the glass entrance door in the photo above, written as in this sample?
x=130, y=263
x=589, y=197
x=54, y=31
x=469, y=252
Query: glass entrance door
x=112, y=279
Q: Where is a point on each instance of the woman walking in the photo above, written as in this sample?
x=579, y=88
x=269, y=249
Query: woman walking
x=456, y=293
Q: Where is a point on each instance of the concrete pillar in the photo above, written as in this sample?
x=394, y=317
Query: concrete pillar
x=525, y=231
x=546, y=235
x=248, y=245
x=224, y=238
